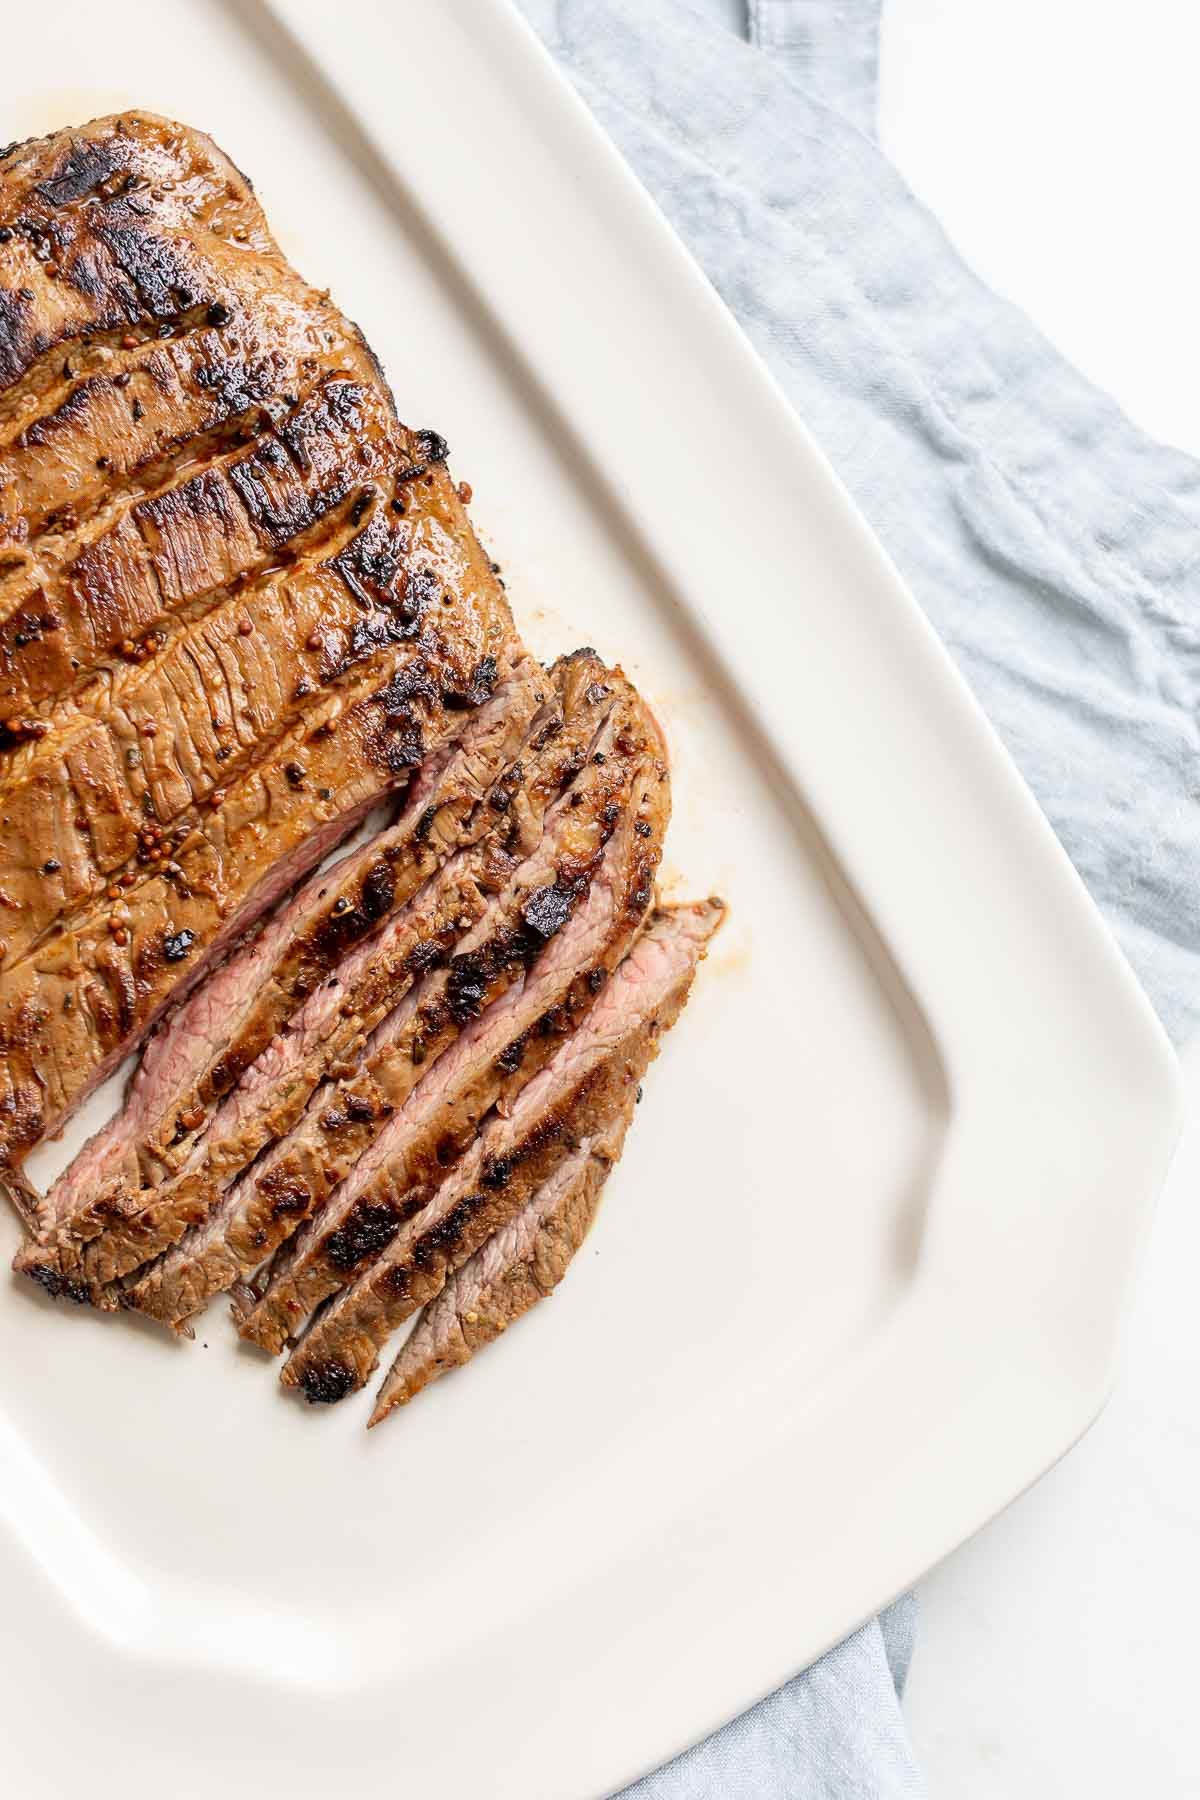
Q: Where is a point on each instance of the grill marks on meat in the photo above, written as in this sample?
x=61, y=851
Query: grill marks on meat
x=230, y=1022
x=492, y=1060
x=345, y=1113
x=138, y=839
x=241, y=605
x=327, y=1033
x=474, y=791
x=82, y=433
x=172, y=553
x=185, y=892
x=588, y=1084
x=174, y=733
x=123, y=421
x=522, y=1264
x=69, y=1012
x=194, y=1060
x=124, y=225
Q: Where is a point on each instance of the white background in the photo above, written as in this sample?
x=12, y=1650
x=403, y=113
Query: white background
x=1058, y=141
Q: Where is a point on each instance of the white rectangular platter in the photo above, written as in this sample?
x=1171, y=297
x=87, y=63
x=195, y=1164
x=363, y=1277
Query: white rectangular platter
x=861, y=1274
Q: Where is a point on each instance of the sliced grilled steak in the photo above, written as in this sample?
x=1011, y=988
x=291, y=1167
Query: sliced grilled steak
x=474, y=792
x=216, y=698
x=72, y=1009
x=521, y=1265
x=123, y=421
x=490, y=1061
x=273, y=1092
x=136, y=271
x=586, y=1086
x=117, y=228
x=279, y=1191
x=328, y=1032
x=240, y=605
x=200, y=1053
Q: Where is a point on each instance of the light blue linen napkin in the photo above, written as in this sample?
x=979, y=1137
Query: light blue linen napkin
x=1054, y=547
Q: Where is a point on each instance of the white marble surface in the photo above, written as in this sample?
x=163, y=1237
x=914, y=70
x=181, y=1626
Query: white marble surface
x=1057, y=140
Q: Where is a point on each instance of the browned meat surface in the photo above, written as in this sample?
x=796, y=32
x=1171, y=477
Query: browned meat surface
x=215, y=540
x=382, y=1032
x=70, y=1011
x=86, y=602
x=147, y=319
x=117, y=228
x=331, y=1028
x=124, y=422
x=242, y=606
x=586, y=1085
x=521, y=1265
x=195, y=1059
x=213, y=702
x=271, y=1094
x=590, y=919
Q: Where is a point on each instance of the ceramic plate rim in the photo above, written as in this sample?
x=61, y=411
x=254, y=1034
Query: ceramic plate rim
x=1034, y=1353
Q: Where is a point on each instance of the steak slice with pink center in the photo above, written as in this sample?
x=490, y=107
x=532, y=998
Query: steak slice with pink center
x=500, y=1050
x=521, y=1265
x=583, y=1089
x=258, y=1212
